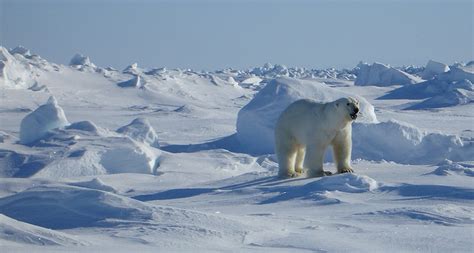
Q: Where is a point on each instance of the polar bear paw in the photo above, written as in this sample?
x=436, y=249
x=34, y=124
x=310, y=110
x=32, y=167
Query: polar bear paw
x=346, y=170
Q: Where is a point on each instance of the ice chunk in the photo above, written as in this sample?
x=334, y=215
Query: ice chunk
x=434, y=68
x=36, y=124
x=81, y=60
x=379, y=74
x=141, y=130
x=134, y=82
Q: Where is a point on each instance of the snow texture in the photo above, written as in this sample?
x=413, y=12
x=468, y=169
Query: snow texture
x=434, y=68
x=45, y=118
x=134, y=82
x=379, y=74
x=86, y=187
x=141, y=130
x=447, y=89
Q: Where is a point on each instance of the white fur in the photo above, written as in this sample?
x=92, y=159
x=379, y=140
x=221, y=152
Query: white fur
x=306, y=128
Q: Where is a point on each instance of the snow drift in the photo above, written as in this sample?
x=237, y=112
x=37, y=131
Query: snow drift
x=446, y=89
x=45, y=118
x=256, y=120
x=434, y=68
x=15, y=231
x=403, y=143
x=379, y=74
x=15, y=72
x=141, y=130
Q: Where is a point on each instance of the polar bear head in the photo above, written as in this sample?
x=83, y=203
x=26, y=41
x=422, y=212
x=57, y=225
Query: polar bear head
x=348, y=106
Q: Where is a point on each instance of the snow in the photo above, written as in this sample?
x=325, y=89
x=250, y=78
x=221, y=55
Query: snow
x=256, y=120
x=404, y=143
x=13, y=231
x=173, y=165
x=45, y=118
x=141, y=130
x=379, y=74
x=14, y=73
x=134, y=82
x=450, y=88
x=79, y=60
x=434, y=68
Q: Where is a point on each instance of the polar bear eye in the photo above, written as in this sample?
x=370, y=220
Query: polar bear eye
x=347, y=103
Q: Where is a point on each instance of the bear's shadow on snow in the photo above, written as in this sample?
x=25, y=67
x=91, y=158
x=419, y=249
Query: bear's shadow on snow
x=272, y=190
x=192, y=192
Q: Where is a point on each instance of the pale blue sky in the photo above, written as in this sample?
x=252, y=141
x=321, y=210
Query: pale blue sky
x=215, y=34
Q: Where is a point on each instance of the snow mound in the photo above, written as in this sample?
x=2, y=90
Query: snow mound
x=256, y=120
x=62, y=207
x=134, y=82
x=36, y=124
x=95, y=184
x=442, y=214
x=79, y=60
x=15, y=231
x=87, y=126
x=125, y=158
x=347, y=182
x=20, y=50
x=379, y=74
x=448, y=167
x=447, y=89
x=15, y=72
x=452, y=97
x=434, y=68
x=403, y=143
x=68, y=207
x=133, y=70
x=320, y=189
x=141, y=130
x=82, y=153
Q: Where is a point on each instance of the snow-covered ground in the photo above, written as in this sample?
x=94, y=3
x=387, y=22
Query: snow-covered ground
x=95, y=159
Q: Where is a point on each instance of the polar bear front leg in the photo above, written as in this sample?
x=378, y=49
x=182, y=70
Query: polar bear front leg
x=286, y=154
x=314, y=161
x=342, y=149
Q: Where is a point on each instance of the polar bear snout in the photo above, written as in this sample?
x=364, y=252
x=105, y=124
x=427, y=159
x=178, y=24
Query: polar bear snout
x=354, y=113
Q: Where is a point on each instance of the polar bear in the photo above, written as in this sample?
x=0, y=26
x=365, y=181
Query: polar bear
x=306, y=128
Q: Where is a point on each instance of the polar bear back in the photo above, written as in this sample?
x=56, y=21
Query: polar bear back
x=306, y=120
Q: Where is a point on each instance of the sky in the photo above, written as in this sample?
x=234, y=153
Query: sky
x=212, y=34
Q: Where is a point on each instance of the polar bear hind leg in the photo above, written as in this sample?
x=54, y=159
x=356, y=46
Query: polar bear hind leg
x=286, y=151
x=314, y=161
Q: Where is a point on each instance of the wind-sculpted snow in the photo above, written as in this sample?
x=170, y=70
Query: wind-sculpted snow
x=141, y=130
x=450, y=88
x=447, y=215
x=447, y=167
x=81, y=61
x=318, y=189
x=403, y=143
x=15, y=72
x=68, y=207
x=45, y=118
x=256, y=120
x=434, y=68
x=14, y=231
x=135, y=82
x=379, y=74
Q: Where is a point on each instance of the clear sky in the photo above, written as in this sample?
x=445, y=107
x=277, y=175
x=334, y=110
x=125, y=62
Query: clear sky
x=212, y=34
